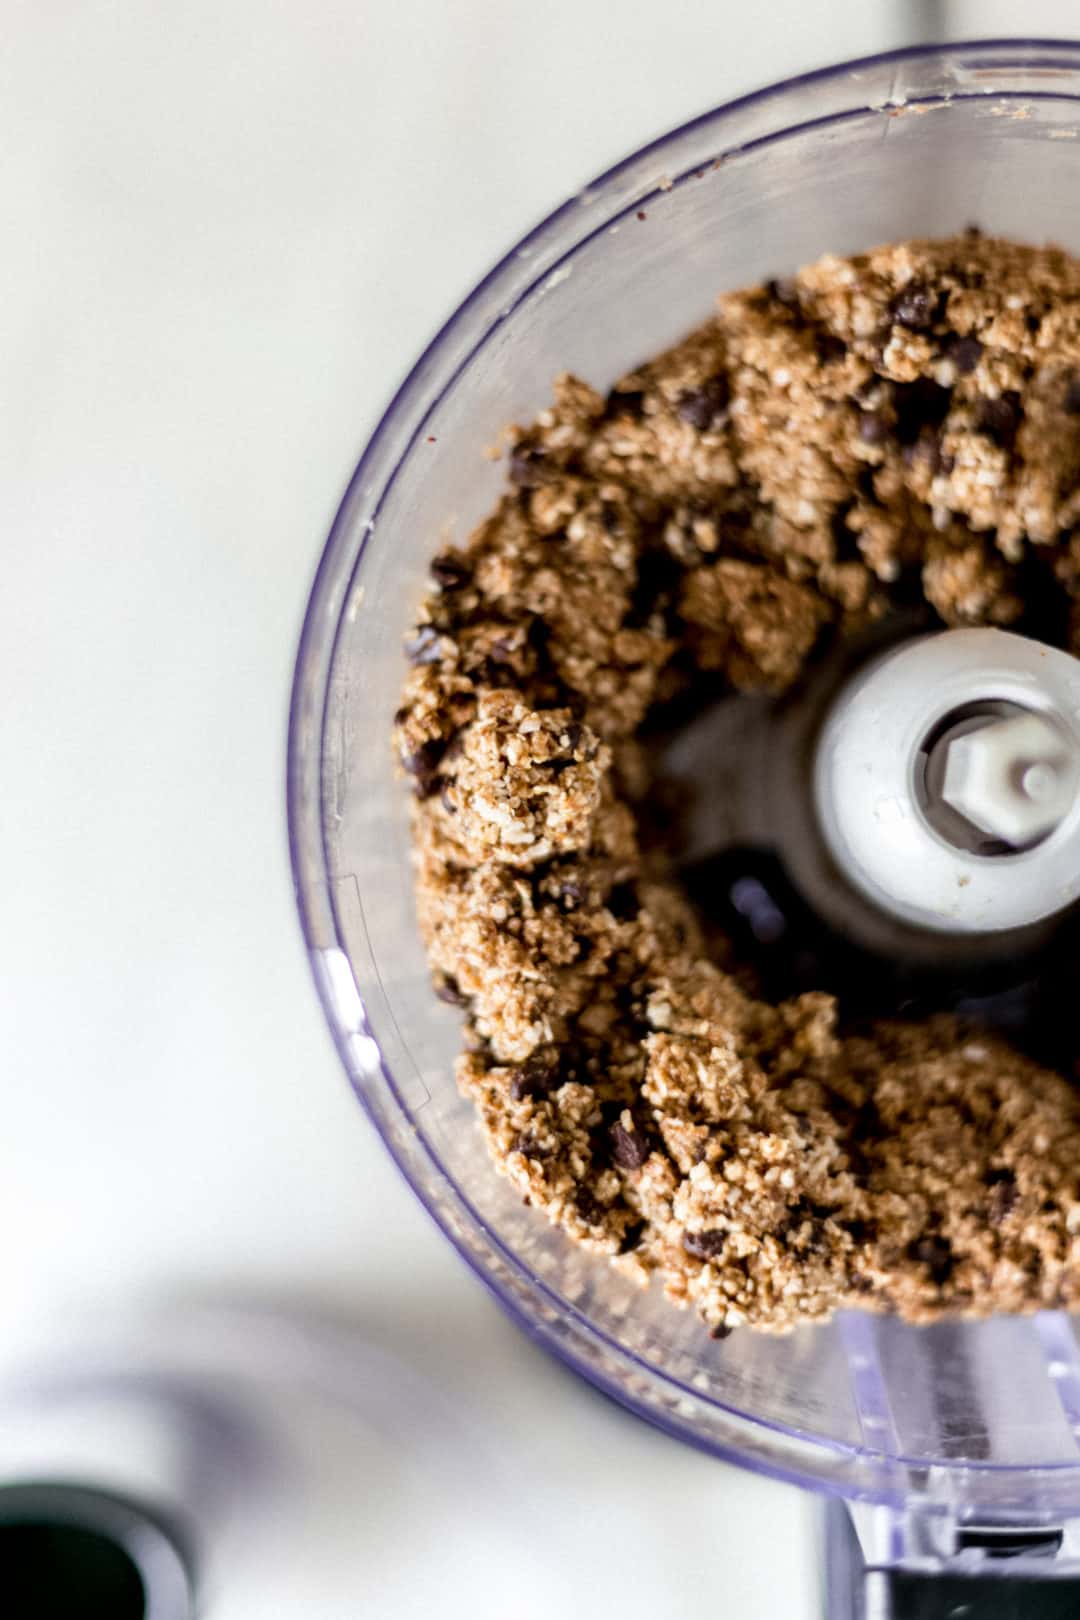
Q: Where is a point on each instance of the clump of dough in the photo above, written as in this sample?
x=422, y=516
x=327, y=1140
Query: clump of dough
x=525, y=785
x=897, y=428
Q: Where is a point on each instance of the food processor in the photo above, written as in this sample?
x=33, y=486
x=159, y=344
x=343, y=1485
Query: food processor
x=948, y=1456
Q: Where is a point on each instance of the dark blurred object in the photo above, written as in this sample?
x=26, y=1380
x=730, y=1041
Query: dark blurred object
x=68, y=1553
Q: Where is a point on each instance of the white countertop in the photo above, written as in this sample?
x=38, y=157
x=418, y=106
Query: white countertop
x=228, y=229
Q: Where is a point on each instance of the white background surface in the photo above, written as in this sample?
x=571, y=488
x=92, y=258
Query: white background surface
x=228, y=227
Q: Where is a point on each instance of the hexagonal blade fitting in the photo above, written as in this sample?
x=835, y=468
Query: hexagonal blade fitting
x=1014, y=779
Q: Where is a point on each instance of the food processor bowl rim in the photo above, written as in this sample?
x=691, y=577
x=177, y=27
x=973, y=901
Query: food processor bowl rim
x=318, y=914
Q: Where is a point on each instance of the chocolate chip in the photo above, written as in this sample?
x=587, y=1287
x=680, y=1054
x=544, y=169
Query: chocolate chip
x=447, y=990
x=622, y=902
x=450, y=571
x=935, y=1253
x=1002, y=1194
x=1072, y=395
x=919, y=404
x=873, y=428
x=590, y=1211
x=705, y=1245
x=526, y=1143
x=423, y=648
x=625, y=402
x=721, y=1331
x=538, y=635
x=999, y=418
x=571, y=895
x=784, y=291
x=705, y=407
x=806, y=1222
x=422, y=765
x=867, y=1125
x=544, y=1065
x=659, y=576
x=632, y=1236
x=526, y=466
x=965, y=354
x=916, y=306
x=579, y=741
x=829, y=348
x=599, y=1149
x=859, y=1231
x=629, y=1148
x=864, y=483
x=536, y=1077
x=401, y=715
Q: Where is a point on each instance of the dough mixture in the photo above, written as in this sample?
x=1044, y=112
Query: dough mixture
x=899, y=426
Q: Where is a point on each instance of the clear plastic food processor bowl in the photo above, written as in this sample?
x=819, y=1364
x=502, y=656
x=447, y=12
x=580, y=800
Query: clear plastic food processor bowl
x=951, y=1427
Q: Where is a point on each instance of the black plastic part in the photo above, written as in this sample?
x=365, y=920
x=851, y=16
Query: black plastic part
x=855, y=1592
x=51, y=1571
x=979, y=1597
x=998, y=1542
x=74, y=1552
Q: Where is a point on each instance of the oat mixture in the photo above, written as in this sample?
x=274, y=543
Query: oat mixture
x=900, y=425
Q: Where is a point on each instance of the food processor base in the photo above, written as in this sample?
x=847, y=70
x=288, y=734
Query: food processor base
x=950, y=1454
x=875, y=1568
